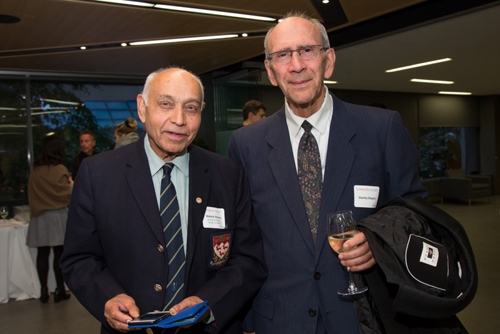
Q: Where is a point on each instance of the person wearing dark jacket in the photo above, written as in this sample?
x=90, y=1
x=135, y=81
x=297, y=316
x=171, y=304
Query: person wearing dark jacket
x=87, y=144
x=118, y=260
x=316, y=155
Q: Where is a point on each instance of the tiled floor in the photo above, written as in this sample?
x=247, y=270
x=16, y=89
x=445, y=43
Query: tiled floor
x=481, y=221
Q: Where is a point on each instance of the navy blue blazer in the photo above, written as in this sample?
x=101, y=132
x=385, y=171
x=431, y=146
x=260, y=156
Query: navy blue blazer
x=114, y=236
x=367, y=146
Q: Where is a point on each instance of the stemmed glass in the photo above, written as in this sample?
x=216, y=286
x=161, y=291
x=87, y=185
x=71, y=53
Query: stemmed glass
x=4, y=212
x=342, y=227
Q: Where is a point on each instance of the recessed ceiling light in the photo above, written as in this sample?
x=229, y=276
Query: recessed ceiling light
x=186, y=39
x=215, y=12
x=129, y=3
x=244, y=35
x=123, y=44
x=455, y=93
x=83, y=47
x=432, y=62
x=326, y=1
x=440, y=82
x=329, y=82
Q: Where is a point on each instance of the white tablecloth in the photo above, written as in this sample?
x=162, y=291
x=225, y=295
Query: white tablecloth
x=18, y=276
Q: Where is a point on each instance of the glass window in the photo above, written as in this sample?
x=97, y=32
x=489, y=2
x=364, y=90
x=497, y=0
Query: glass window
x=14, y=167
x=59, y=108
x=443, y=148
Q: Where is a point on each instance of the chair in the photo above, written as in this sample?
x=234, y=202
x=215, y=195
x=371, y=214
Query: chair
x=457, y=185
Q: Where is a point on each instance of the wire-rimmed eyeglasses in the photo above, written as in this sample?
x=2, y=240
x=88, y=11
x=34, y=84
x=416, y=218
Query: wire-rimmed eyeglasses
x=307, y=52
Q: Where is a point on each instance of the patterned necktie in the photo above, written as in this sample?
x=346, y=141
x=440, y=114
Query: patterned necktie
x=171, y=222
x=310, y=176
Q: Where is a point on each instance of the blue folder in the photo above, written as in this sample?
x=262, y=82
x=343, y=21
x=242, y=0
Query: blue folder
x=187, y=316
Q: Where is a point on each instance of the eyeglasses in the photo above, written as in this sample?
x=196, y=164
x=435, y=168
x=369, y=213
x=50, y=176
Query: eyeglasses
x=306, y=53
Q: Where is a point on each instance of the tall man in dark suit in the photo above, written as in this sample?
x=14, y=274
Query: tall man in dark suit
x=356, y=159
x=116, y=255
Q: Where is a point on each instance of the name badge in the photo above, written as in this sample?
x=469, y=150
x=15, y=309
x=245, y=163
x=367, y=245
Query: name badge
x=366, y=196
x=214, y=218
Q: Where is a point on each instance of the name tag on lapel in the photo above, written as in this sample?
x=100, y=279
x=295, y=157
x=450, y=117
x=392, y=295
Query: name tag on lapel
x=366, y=196
x=214, y=218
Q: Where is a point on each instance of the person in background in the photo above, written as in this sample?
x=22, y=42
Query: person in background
x=49, y=193
x=87, y=144
x=314, y=156
x=118, y=259
x=126, y=132
x=253, y=111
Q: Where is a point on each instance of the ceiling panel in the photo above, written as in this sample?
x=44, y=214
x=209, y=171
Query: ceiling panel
x=46, y=26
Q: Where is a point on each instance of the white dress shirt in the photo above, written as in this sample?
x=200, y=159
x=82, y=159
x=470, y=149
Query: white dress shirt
x=320, y=121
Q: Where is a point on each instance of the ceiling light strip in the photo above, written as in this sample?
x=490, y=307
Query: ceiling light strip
x=455, y=93
x=215, y=12
x=128, y=3
x=439, y=82
x=182, y=40
x=191, y=10
x=418, y=65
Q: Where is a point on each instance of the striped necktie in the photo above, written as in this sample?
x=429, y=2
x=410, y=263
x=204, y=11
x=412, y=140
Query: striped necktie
x=171, y=222
x=310, y=176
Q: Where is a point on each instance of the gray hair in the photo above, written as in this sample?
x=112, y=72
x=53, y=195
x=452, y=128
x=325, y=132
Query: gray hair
x=324, y=36
x=147, y=84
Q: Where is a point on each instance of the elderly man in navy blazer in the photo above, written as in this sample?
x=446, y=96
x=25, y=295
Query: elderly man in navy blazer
x=116, y=258
x=364, y=157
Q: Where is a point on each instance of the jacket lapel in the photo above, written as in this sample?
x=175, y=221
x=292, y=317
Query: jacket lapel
x=339, y=161
x=282, y=166
x=141, y=185
x=199, y=190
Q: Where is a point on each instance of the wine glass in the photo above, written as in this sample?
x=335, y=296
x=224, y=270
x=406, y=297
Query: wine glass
x=4, y=212
x=342, y=227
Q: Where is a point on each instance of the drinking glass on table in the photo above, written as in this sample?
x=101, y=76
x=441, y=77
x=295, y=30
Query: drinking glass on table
x=342, y=227
x=4, y=212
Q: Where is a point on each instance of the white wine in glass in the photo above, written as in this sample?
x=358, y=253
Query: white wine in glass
x=342, y=227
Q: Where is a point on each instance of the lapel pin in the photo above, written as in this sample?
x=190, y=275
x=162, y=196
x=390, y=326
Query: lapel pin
x=198, y=200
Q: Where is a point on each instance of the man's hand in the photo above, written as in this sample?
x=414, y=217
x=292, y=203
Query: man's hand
x=119, y=310
x=189, y=301
x=358, y=256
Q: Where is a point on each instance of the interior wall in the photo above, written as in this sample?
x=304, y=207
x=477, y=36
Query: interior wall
x=490, y=138
x=451, y=111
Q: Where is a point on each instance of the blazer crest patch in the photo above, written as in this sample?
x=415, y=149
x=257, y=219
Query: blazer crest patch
x=221, y=245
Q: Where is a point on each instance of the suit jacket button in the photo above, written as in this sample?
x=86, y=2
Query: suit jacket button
x=149, y=331
x=158, y=288
x=160, y=248
x=317, y=276
x=312, y=312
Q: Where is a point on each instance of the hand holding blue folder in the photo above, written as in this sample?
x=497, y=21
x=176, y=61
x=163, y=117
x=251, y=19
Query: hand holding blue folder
x=187, y=316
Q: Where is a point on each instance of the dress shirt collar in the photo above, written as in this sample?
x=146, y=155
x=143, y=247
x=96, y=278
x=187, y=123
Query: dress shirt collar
x=156, y=163
x=319, y=120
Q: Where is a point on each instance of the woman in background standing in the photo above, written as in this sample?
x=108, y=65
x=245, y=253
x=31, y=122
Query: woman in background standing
x=126, y=132
x=49, y=193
